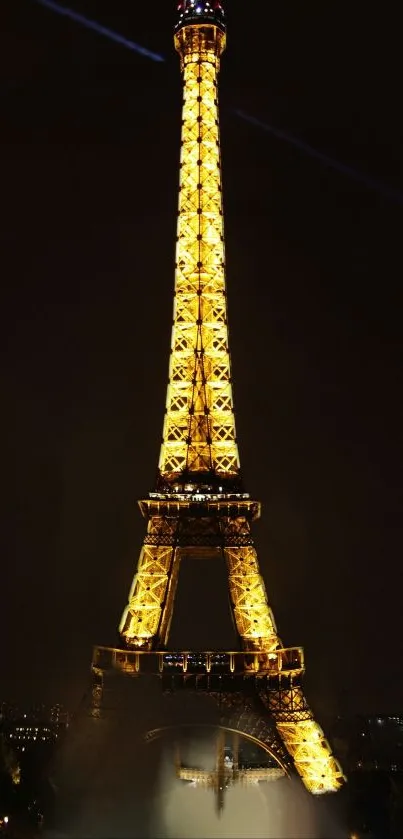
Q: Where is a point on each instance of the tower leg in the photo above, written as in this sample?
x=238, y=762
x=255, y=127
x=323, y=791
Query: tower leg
x=252, y=615
x=304, y=739
x=301, y=735
x=147, y=617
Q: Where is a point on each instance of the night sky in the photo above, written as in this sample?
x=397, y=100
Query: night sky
x=90, y=150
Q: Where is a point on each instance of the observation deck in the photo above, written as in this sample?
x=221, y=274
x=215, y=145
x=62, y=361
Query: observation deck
x=202, y=670
x=200, y=12
x=195, y=504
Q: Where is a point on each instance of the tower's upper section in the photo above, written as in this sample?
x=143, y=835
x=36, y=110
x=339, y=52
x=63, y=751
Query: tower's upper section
x=199, y=444
x=200, y=12
x=200, y=29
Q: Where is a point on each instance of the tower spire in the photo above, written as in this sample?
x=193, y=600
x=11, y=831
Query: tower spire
x=199, y=440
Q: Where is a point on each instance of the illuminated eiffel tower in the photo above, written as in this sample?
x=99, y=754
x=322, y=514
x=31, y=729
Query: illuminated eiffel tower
x=199, y=505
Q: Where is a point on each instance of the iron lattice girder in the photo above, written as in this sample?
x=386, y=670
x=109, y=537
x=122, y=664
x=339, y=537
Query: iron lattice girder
x=199, y=427
x=250, y=719
x=146, y=619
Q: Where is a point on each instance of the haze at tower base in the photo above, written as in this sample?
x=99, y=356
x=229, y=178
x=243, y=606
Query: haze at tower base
x=152, y=802
x=278, y=810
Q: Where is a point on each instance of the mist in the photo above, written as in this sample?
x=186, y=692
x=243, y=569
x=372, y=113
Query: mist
x=110, y=780
x=279, y=809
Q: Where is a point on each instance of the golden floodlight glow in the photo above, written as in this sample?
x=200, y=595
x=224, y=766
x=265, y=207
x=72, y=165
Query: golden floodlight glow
x=199, y=506
x=199, y=427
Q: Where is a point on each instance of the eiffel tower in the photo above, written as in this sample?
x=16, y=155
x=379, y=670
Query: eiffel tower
x=199, y=505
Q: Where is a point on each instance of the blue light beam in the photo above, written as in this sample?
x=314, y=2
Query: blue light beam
x=370, y=183
x=360, y=177
x=101, y=30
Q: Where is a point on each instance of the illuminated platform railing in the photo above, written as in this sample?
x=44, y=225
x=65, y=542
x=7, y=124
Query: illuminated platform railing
x=200, y=505
x=288, y=662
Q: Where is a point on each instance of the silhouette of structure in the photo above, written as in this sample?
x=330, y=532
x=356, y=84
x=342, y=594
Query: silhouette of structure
x=199, y=506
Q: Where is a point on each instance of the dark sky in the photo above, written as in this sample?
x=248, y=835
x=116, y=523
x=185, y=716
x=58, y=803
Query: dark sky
x=90, y=147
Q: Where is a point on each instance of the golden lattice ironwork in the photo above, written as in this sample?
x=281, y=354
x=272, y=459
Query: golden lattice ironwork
x=253, y=617
x=199, y=506
x=199, y=428
x=303, y=738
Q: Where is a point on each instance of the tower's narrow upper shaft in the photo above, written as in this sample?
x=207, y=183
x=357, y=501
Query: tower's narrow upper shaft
x=199, y=443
